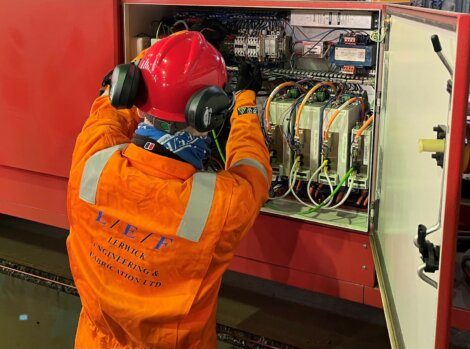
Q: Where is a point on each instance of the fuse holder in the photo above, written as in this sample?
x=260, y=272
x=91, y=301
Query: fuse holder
x=431, y=145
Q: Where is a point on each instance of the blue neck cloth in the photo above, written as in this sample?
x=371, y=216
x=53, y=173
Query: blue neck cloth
x=192, y=149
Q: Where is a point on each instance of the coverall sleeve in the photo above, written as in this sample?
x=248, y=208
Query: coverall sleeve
x=248, y=163
x=105, y=127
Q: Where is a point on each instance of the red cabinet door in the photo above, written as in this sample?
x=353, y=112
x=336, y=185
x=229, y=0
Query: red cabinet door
x=53, y=56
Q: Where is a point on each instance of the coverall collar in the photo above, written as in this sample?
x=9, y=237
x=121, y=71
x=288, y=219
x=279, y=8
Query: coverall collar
x=158, y=165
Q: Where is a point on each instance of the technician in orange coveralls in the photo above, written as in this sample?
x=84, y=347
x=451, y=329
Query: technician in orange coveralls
x=151, y=233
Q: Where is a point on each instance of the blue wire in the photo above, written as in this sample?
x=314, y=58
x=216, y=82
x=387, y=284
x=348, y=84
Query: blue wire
x=288, y=135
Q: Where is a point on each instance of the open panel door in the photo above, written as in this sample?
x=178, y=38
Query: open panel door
x=411, y=188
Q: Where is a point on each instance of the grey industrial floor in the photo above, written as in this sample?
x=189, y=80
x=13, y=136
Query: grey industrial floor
x=35, y=316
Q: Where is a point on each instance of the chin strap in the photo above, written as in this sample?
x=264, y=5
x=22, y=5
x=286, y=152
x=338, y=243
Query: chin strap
x=166, y=126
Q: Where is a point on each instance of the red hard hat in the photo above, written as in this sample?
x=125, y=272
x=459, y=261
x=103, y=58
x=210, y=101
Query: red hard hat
x=173, y=69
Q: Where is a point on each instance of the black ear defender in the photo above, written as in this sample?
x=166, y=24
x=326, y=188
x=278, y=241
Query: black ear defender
x=125, y=82
x=208, y=108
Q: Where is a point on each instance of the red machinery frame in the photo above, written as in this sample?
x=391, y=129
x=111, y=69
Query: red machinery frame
x=54, y=56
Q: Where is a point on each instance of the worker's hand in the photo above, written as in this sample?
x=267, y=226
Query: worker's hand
x=106, y=82
x=249, y=77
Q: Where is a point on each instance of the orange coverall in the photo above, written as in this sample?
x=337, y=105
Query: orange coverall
x=150, y=237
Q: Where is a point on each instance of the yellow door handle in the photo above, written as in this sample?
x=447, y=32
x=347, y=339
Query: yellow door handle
x=431, y=145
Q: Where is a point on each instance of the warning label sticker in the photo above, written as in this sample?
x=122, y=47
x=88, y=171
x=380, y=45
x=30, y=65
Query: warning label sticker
x=350, y=54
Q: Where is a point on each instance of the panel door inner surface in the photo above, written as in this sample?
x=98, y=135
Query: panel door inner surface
x=409, y=183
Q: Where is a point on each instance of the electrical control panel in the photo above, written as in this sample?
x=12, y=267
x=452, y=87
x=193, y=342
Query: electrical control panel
x=317, y=102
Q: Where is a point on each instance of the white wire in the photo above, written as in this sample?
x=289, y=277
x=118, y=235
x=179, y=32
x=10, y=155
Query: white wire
x=346, y=196
x=158, y=30
x=289, y=188
x=295, y=195
x=331, y=190
x=310, y=183
x=291, y=180
x=181, y=22
x=293, y=174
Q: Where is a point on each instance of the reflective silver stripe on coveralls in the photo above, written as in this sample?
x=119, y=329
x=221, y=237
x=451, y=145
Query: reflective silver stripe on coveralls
x=198, y=207
x=92, y=172
x=253, y=163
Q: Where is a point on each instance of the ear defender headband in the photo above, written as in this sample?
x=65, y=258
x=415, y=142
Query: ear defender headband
x=205, y=110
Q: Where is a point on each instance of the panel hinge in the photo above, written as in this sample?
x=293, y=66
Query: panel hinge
x=374, y=213
x=378, y=101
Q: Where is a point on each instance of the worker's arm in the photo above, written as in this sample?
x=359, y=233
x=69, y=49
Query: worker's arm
x=247, y=154
x=105, y=127
x=119, y=123
x=247, y=161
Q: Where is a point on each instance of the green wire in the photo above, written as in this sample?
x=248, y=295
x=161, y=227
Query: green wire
x=335, y=191
x=219, y=148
